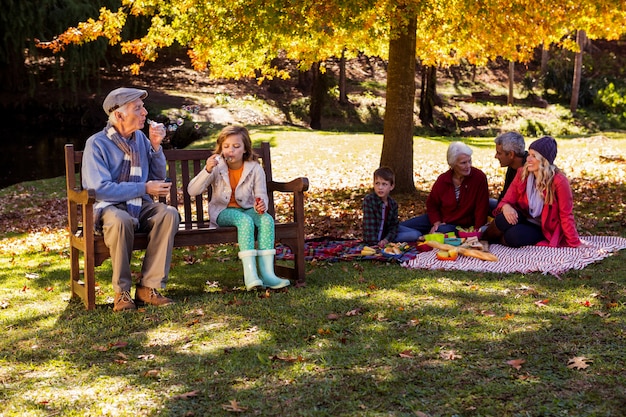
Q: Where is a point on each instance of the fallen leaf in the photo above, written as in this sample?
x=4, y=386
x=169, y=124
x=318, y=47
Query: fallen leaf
x=487, y=313
x=528, y=290
x=332, y=316
x=186, y=395
x=190, y=259
x=148, y=357
x=406, y=354
x=118, y=345
x=152, y=373
x=100, y=348
x=449, y=355
x=542, y=303
x=579, y=362
x=354, y=312
x=234, y=407
x=516, y=363
x=602, y=314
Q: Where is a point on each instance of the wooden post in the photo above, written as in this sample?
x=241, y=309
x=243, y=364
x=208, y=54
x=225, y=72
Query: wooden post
x=510, y=99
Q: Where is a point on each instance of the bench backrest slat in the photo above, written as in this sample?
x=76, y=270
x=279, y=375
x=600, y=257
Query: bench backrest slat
x=182, y=166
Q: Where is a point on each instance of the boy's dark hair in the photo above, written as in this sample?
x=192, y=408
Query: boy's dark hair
x=385, y=173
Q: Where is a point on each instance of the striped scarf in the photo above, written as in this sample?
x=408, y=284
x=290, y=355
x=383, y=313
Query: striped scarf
x=131, y=172
x=131, y=167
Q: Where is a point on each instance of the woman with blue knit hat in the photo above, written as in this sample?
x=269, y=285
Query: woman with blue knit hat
x=537, y=208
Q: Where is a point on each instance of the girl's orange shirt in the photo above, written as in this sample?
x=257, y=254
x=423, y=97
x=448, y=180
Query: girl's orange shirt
x=234, y=175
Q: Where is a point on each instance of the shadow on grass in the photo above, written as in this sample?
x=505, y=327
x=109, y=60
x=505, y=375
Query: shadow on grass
x=401, y=341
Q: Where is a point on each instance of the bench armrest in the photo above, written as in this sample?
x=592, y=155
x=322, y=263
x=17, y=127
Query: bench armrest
x=85, y=197
x=297, y=185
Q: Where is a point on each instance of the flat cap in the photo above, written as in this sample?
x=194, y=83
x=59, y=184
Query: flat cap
x=120, y=96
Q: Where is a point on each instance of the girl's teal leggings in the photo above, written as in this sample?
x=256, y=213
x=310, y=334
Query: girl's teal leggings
x=245, y=220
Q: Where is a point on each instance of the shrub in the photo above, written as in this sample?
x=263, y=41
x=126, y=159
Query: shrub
x=612, y=99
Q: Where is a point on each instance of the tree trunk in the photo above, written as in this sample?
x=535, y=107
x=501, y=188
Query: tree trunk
x=397, y=151
x=581, y=40
x=318, y=92
x=510, y=98
x=428, y=95
x=544, y=59
x=343, y=94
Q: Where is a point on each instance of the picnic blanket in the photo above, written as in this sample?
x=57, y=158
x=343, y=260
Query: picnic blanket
x=334, y=250
x=527, y=259
x=554, y=261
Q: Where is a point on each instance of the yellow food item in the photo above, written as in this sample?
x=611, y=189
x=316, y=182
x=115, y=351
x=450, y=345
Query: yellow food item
x=368, y=251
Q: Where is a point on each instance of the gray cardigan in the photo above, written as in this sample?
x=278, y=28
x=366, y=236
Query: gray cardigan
x=252, y=184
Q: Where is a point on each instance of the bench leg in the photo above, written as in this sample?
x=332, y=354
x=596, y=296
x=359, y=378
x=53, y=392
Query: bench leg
x=86, y=290
x=298, y=271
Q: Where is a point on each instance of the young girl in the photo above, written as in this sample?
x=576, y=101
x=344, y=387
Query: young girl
x=240, y=199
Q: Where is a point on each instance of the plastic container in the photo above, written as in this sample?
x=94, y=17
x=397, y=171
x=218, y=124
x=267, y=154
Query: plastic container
x=454, y=241
x=469, y=234
x=437, y=237
x=422, y=247
x=391, y=255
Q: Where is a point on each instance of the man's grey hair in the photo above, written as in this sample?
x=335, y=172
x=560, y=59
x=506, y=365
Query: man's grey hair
x=123, y=109
x=511, y=141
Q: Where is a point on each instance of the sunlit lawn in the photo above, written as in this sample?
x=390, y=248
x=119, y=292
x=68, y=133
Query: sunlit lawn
x=360, y=339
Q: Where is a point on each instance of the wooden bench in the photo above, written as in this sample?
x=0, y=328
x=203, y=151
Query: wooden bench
x=194, y=229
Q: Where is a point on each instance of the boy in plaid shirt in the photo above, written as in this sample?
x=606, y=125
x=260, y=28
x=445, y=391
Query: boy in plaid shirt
x=380, y=211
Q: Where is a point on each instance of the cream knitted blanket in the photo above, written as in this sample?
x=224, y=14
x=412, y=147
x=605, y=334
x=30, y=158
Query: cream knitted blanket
x=527, y=259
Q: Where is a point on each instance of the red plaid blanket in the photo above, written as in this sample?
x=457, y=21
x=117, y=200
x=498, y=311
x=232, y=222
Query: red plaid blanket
x=332, y=250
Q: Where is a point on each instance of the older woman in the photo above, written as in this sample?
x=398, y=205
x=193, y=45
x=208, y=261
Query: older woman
x=459, y=197
x=537, y=208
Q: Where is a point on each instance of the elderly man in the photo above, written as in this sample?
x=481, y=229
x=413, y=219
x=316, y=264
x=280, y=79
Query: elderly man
x=511, y=152
x=126, y=169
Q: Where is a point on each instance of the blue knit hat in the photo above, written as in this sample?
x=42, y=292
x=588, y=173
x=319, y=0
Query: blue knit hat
x=546, y=147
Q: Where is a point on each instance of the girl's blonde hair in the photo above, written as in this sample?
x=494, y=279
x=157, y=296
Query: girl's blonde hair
x=243, y=133
x=543, y=177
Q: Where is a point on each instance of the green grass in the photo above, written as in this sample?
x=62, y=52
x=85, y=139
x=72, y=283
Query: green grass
x=360, y=339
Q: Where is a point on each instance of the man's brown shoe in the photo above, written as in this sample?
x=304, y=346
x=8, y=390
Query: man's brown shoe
x=146, y=295
x=123, y=302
